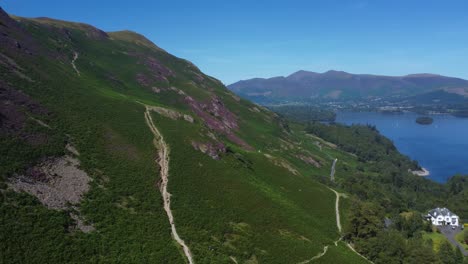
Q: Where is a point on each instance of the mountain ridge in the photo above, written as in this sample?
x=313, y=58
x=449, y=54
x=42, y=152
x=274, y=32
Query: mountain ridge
x=340, y=85
x=307, y=73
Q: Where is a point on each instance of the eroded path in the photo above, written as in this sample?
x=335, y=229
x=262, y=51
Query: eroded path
x=75, y=57
x=163, y=161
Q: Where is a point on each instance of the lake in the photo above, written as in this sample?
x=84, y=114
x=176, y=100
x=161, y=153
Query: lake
x=441, y=148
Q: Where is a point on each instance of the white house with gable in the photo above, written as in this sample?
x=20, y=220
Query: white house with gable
x=442, y=216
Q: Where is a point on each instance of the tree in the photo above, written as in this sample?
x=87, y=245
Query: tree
x=458, y=256
x=419, y=252
x=365, y=220
x=392, y=247
x=446, y=253
x=409, y=223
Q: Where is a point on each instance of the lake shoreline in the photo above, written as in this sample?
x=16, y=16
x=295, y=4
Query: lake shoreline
x=439, y=147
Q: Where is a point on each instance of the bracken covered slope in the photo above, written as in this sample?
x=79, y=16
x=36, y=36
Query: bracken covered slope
x=243, y=184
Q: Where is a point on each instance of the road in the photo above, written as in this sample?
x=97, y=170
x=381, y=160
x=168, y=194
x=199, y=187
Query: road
x=450, y=234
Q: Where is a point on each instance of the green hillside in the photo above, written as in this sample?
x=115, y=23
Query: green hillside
x=113, y=120
x=244, y=199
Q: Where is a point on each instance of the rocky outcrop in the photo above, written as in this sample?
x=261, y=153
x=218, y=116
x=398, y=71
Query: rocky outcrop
x=172, y=114
x=212, y=149
x=309, y=160
x=156, y=71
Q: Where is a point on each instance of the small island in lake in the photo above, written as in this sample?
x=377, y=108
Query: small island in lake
x=424, y=120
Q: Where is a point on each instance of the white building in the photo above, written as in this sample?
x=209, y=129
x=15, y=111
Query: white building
x=442, y=216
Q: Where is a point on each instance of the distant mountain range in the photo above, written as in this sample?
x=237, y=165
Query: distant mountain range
x=341, y=86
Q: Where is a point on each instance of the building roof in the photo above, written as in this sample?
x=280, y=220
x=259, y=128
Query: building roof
x=441, y=211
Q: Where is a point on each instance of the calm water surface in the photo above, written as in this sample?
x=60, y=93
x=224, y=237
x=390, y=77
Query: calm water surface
x=441, y=147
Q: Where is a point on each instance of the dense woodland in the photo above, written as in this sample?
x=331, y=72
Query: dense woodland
x=304, y=113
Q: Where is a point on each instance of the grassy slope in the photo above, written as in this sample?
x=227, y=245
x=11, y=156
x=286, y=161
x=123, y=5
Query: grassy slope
x=461, y=240
x=436, y=237
x=336, y=254
x=222, y=208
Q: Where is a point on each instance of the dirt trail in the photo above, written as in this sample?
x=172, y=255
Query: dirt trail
x=75, y=57
x=163, y=161
x=321, y=254
x=338, y=225
x=351, y=247
x=337, y=209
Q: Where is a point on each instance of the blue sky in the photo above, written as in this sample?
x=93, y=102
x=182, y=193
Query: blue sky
x=234, y=40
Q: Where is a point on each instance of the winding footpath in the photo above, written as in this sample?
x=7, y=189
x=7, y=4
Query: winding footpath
x=75, y=57
x=319, y=255
x=338, y=225
x=163, y=161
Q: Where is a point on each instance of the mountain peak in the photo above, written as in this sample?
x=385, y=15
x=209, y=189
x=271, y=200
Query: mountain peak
x=301, y=74
x=133, y=37
x=336, y=73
